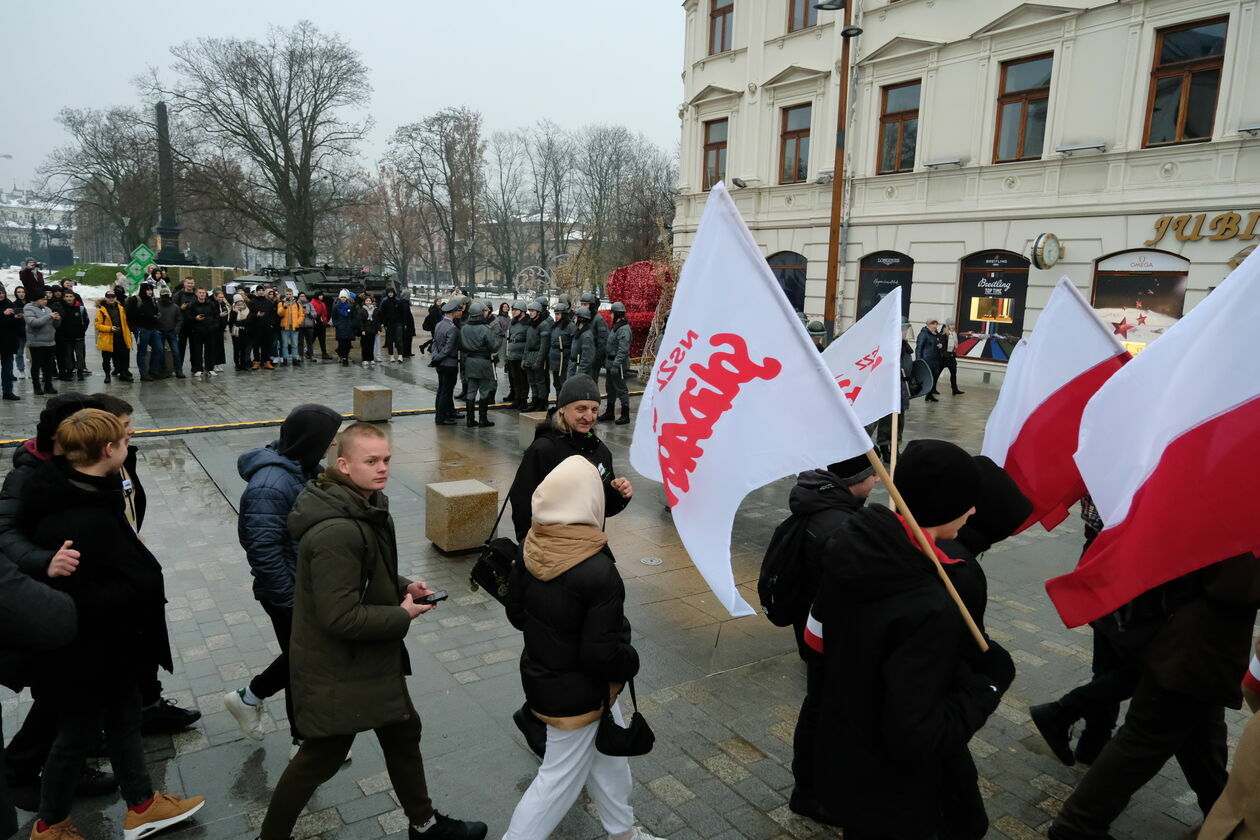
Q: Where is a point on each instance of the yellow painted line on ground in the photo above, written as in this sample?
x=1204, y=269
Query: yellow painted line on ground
x=259, y=424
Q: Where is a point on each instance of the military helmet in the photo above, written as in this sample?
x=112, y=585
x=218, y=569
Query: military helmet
x=518, y=305
x=477, y=308
x=560, y=306
x=534, y=306
x=584, y=313
x=589, y=297
x=619, y=307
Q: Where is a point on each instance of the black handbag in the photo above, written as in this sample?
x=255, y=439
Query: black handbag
x=493, y=566
x=635, y=739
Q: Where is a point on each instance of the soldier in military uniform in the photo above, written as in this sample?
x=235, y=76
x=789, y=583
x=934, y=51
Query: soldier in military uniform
x=535, y=369
x=516, y=355
x=546, y=324
x=617, y=363
x=583, y=358
x=480, y=347
x=560, y=347
x=600, y=327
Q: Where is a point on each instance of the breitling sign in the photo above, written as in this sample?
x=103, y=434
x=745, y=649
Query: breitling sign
x=1192, y=228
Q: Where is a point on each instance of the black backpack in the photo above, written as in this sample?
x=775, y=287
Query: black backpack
x=786, y=585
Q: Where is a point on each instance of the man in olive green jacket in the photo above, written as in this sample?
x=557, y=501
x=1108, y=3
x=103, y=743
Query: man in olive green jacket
x=348, y=663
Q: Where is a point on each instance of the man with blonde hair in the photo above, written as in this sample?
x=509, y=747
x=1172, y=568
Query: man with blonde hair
x=118, y=591
x=348, y=661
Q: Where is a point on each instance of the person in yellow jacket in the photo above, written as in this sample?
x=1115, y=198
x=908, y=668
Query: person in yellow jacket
x=113, y=338
x=291, y=315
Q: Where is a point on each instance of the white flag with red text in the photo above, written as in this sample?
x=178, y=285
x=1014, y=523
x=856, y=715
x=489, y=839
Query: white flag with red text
x=739, y=395
x=866, y=361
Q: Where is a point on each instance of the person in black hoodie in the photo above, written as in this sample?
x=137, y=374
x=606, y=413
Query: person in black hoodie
x=204, y=315
x=567, y=598
x=118, y=592
x=828, y=498
x=905, y=686
x=11, y=327
x=74, y=327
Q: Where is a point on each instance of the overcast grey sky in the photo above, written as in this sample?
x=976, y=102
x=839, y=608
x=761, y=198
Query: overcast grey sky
x=517, y=61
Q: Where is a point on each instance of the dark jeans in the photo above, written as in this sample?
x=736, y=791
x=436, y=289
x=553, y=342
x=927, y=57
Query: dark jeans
x=276, y=676
x=444, y=406
x=185, y=333
x=1160, y=725
x=344, y=346
x=72, y=356
x=320, y=758
x=168, y=340
x=518, y=382
x=6, y=372
x=118, y=711
x=1116, y=674
x=239, y=359
x=805, y=739
x=367, y=344
x=42, y=367
x=615, y=381
x=319, y=336
x=149, y=351
x=949, y=362
x=306, y=342
x=202, y=360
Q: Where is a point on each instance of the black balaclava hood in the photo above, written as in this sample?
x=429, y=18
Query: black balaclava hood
x=307, y=433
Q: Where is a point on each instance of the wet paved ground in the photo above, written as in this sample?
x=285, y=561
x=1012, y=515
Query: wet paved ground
x=721, y=693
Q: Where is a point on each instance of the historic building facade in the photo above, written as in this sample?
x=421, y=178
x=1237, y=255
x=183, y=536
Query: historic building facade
x=992, y=147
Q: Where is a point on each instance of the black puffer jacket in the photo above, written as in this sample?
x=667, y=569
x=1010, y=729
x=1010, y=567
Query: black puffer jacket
x=822, y=497
x=899, y=699
x=550, y=447
x=577, y=638
x=117, y=589
x=10, y=326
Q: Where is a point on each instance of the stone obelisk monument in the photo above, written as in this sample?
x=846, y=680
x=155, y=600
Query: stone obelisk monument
x=167, y=228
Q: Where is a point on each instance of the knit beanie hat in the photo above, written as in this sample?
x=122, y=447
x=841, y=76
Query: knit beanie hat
x=853, y=470
x=55, y=410
x=571, y=494
x=939, y=481
x=579, y=387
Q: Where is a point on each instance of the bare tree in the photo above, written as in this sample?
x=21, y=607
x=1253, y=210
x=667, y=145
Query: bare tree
x=550, y=153
x=647, y=201
x=505, y=200
x=602, y=154
x=109, y=171
x=391, y=216
x=442, y=157
x=271, y=142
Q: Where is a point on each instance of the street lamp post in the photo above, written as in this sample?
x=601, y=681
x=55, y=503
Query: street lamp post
x=847, y=33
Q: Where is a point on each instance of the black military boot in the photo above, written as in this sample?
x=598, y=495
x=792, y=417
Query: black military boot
x=1054, y=722
x=625, y=415
x=470, y=416
x=608, y=412
x=485, y=413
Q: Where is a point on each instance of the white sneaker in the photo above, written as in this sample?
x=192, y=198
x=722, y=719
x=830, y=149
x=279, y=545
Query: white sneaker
x=640, y=833
x=19, y=375
x=367, y=363
x=212, y=373
x=248, y=718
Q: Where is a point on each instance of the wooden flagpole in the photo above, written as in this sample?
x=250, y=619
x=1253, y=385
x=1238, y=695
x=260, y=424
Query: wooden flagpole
x=925, y=546
x=892, y=458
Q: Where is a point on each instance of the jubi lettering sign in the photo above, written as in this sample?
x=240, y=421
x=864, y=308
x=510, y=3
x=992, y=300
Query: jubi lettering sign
x=1190, y=228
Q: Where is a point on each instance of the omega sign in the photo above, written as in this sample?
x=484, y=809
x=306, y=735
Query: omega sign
x=1188, y=228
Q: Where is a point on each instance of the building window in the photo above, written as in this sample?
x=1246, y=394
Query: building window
x=714, y=152
x=794, y=144
x=1185, y=82
x=801, y=14
x=1022, y=106
x=721, y=20
x=879, y=274
x=1140, y=294
x=899, y=127
x=789, y=269
x=991, y=296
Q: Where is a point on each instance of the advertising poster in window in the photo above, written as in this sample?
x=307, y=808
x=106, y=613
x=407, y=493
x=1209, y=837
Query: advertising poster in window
x=1140, y=294
x=880, y=274
x=991, y=297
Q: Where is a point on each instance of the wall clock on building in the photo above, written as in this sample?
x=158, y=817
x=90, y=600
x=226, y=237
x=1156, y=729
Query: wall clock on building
x=1046, y=251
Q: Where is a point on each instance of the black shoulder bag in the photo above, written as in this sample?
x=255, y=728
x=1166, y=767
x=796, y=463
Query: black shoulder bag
x=635, y=739
x=494, y=565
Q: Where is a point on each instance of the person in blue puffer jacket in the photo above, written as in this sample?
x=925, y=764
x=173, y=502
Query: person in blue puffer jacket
x=342, y=318
x=276, y=474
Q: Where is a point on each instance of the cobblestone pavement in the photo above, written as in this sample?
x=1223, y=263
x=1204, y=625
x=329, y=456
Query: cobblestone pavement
x=721, y=693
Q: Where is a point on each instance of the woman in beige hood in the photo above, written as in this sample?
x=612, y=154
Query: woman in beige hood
x=567, y=597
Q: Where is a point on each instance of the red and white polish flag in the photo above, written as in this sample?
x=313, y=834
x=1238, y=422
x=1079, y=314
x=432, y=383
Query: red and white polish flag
x=739, y=395
x=1034, y=427
x=866, y=361
x=1169, y=450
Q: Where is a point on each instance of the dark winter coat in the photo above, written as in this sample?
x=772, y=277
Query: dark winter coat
x=32, y=280
x=74, y=318
x=517, y=335
x=142, y=311
x=479, y=345
x=393, y=312
x=209, y=323
x=561, y=345
x=15, y=541
x=445, y=349
x=11, y=326
x=343, y=320
x=600, y=329
x=347, y=660
x=617, y=346
x=365, y=322
x=577, y=638
x=117, y=588
x=535, y=355
x=583, y=357
x=928, y=348
x=273, y=485
x=170, y=318
x=827, y=502
x=262, y=319
x=430, y=320
x=899, y=698
x=550, y=447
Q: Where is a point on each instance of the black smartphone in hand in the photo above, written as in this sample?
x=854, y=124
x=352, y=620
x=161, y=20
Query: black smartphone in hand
x=433, y=597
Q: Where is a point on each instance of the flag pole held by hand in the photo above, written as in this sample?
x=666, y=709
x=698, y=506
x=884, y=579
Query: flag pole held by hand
x=925, y=546
x=892, y=458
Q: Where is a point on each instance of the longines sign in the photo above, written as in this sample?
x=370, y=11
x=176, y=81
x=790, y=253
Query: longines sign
x=1190, y=228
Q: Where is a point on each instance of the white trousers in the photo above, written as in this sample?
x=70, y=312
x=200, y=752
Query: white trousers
x=572, y=761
